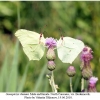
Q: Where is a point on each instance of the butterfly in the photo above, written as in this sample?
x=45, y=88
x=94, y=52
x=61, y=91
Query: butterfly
x=33, y=45
x=68, y=49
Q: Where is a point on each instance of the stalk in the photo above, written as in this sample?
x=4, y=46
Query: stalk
x=71, y=88
x=82, y=84
x=52, y=83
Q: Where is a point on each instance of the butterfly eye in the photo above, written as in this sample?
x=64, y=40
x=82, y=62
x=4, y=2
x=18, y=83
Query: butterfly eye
x=40, y=35
x=61, y=37
x=40, y=38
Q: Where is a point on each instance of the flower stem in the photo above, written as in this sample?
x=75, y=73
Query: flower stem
x=71, y=89
x=86, y=85
x=82, y=84
x=52, y=83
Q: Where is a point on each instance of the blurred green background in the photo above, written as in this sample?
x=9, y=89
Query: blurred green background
x=75, y=19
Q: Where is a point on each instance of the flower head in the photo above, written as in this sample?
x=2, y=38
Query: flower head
x=92, y=83
x=71, y=71
x=86, y=55
x=93, y=80
x=50, y=42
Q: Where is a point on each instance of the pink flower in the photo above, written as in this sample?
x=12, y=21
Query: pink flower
x=93, y=80
x=71, y=68
x=86, y=55
x=50, y=42
x=92, y=84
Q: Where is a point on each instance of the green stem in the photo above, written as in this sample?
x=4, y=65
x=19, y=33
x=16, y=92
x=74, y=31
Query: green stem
x=18, y=14
x=52, y=83
x=82, y=84
x=86, y=85
x=71, y=89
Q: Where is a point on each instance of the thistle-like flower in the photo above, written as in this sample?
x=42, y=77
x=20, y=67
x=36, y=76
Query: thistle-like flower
x=86, y=57
x=92, y=84
x=71, y=71
x=50, y=42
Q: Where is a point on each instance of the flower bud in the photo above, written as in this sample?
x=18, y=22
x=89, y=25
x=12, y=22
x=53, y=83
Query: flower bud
x=51, y=54
x=87, y=72
x=51, y=65
x=71, y=71
x=92, y=83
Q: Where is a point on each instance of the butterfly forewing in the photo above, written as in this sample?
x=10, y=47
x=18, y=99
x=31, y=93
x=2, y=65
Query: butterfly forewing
x=33, y=45
x=28, y=37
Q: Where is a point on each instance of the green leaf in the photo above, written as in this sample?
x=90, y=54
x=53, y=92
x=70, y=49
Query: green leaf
x=32, y=42
x=12, y=79
x=40, y=79
x=21, y=84
x=3, y=75
x=77, y=82
x=68, y=49
x=4, y=9
x=45, y=85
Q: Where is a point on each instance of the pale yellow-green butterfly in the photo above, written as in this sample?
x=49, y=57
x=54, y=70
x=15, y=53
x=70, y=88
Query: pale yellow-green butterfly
x=33, y=43
x=68, y=49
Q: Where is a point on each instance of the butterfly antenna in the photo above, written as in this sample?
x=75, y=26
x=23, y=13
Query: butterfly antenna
x=41, y=30
x=61, y=36
x=41, y=33
x=45, y=32
x=44, y=28
x=60, y=32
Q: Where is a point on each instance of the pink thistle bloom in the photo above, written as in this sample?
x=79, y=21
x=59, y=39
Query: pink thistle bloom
x=92, y=81
x=50, y=42
x=86, y=55
x=92, y=84
x=71, y=68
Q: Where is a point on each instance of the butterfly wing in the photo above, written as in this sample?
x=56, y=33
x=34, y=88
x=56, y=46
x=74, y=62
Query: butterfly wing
x=30, y=43
x=68, y=49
